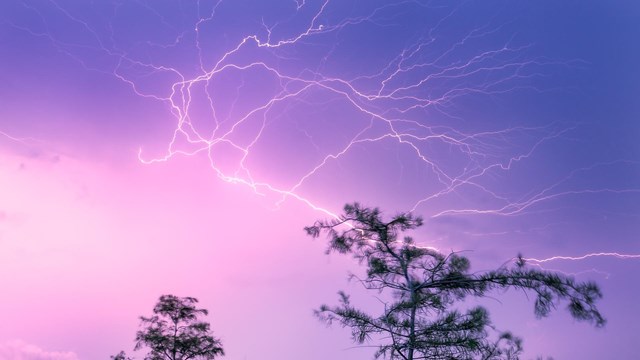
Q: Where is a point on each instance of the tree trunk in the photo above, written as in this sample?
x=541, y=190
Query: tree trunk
x=412, y=329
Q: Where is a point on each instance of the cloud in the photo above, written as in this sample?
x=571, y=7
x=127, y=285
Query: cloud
x=20, y=350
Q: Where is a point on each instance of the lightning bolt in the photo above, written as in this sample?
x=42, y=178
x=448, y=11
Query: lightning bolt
x=587, y=256
x=28, y=140
x=396, y=103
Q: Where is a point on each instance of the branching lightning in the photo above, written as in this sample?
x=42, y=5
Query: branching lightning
x=397, y=103
x=586, y=256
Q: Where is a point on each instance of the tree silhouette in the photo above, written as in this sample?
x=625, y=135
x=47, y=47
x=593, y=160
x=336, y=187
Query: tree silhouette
x=120, y=356
x=174, y=332
x=419, y=320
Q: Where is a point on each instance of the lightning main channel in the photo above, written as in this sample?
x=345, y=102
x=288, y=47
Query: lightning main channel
x=235, y=85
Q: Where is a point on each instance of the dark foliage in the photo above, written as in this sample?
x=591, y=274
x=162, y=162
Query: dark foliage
x=120, y=356
x=421, y=322
x=174, y=332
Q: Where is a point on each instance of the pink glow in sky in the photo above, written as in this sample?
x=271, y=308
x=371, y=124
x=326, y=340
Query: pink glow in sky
x=180, y=147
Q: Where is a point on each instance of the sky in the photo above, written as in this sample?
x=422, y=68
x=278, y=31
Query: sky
x=180, y=147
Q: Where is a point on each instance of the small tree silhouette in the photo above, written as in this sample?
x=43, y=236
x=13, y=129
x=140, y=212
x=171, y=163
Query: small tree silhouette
x=174, y=332
x=120, y=356
x=419, y=320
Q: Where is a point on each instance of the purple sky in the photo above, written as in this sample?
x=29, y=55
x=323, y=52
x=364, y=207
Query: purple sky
x=153, y=147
